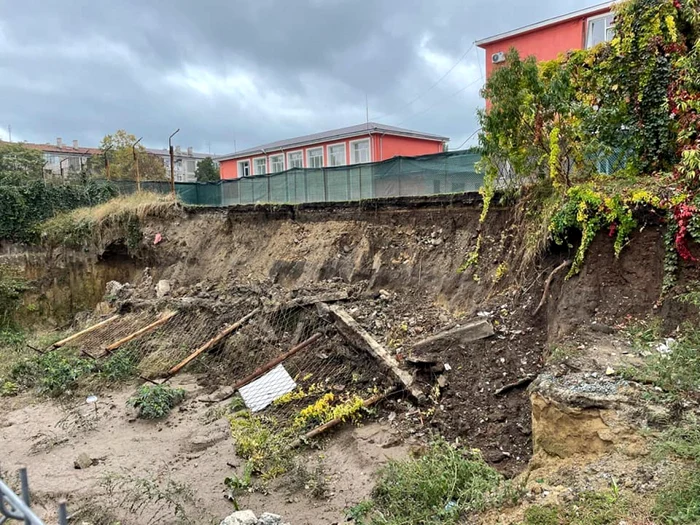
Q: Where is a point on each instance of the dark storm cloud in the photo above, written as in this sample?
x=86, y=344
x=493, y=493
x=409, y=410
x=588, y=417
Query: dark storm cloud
x=247, y=71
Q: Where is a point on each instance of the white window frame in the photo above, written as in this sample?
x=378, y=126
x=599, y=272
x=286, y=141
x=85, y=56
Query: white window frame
x=308, y=157
x=605, y=29
x=255, y=170
x=330, y=157
x=270, y=162
x=352, y=151
x=240, y=168
x=290, y=153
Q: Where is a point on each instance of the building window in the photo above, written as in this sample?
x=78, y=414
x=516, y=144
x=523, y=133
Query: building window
x=295, y=159
x=359, y=151
x=314, y=158
x=50, y=159
x=190, y=166
x=600, y=29
x=276, y=163
x=336, y=155
x=244, y=168
x=260, y=166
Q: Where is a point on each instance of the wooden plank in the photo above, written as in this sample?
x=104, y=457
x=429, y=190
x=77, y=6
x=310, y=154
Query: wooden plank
x=360, y=338
x=272, y=364
x=213, y=341
x=337, y=421
x=164, y=319
x=89, y=329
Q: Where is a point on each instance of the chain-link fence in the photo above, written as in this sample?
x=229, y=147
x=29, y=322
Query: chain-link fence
x=443, y=173
x=288, y=352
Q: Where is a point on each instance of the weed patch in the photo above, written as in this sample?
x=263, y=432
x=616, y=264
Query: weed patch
x=591, y=508
x=678, y=369
x=436, y=488
x=119, y=366
x=156, y=401
x=264, y=443
x=679, y=502
x=54, y=373
x=121, y=217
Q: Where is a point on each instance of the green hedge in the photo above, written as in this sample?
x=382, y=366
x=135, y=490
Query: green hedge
x=24, y=206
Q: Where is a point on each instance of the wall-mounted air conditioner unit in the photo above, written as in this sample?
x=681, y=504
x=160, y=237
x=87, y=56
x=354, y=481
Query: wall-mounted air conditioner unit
x=498, y=58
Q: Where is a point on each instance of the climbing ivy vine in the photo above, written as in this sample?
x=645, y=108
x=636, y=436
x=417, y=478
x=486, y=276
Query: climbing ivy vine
x=604, y=131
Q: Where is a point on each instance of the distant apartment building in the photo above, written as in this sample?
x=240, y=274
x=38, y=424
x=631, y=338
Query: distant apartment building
x=69, y=159
x=185, y=162
x=63, y=159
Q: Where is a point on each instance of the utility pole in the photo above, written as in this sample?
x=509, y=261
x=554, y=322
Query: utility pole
x=60, y=165
x=136, y=162
x=106, y=150
x=172, y=162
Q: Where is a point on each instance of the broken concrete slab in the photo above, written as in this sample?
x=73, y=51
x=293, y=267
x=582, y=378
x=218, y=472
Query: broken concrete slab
x=472, y=331
x=241, y=517
x=360, y=338
x=162, y=288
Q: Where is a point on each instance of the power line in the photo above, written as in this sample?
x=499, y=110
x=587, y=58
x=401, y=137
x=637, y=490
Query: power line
x=443, y=77
x=467, y=139
x=439, y=102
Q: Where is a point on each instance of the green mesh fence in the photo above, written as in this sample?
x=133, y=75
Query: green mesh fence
x=443, y=173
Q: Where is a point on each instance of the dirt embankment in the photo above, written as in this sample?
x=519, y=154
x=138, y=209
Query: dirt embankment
x=411, y=252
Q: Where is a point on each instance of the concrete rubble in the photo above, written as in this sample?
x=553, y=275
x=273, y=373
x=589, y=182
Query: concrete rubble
x=247, y=517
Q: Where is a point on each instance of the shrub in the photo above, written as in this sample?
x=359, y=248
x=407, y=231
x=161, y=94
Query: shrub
x=156, y=401
x=54, y=372
x=436, y=488
x=119, y=366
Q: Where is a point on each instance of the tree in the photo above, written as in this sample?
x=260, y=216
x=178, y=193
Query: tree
x=207, y=171
x=121, y=159
x=19, y=163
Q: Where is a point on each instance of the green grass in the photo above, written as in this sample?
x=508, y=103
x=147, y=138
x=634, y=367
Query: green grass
x=156, y=401
x=590, y=508
x=679, y=502
x=436, y=488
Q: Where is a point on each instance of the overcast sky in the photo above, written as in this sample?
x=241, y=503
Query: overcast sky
x=249, y=71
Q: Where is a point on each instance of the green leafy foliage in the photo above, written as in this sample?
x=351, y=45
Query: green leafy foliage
x=24, y=206
x=54, y=373
x=207, y=171
x=628, y=108
x=120, y=366
x=12, y=286
x=122, y=166
x=436, y=488
x=19, y=164
x=156, y=401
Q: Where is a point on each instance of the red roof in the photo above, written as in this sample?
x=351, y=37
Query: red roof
x=53, y=148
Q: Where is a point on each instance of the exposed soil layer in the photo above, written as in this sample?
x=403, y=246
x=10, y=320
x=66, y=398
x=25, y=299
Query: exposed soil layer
x=399, y=262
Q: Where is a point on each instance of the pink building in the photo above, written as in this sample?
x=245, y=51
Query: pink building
x=367, y=142
x=548, y=39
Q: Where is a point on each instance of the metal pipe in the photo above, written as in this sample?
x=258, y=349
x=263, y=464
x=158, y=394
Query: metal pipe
x=18, y=505
x=105, y=151
x=62, y=513
x=172, y=162
x=60, y=164
x=136, y=162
